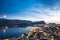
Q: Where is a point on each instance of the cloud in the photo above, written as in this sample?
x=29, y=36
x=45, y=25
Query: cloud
x=34, y=10
x=49, y=3
x=50, y=15
x=43, y=12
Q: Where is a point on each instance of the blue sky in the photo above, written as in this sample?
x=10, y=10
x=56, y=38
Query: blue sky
x=34, y=10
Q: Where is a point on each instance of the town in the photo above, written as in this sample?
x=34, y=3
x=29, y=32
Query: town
x=45, y=31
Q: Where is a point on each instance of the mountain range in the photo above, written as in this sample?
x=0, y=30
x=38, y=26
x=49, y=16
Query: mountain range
x=10, y=22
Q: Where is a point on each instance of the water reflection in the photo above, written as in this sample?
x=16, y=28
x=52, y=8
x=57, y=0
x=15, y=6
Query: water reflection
x=14, y=32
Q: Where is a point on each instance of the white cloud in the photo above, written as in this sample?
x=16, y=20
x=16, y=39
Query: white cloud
x=46, y=14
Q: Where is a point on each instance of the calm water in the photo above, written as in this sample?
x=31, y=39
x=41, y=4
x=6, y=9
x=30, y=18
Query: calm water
x=14, y=32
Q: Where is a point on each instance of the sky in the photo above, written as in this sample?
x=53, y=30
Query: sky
x=34, y=10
